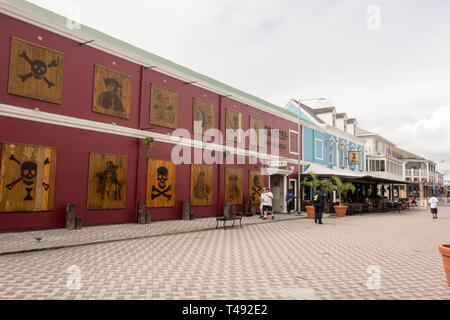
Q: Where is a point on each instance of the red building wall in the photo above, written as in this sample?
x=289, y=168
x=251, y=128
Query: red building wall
x=74, y=145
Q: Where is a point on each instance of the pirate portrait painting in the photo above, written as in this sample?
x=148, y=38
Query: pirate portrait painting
x=233, y=185
x=203, y=114
x=161, y=184
x=27, y=181
x=164, y=107
x=112, y=93
x=201, y=185
x=234, y=122
x=255, y=126
x=107, y=181
x=35, y=72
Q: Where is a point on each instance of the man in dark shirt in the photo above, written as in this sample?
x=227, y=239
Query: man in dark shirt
x=319, y=203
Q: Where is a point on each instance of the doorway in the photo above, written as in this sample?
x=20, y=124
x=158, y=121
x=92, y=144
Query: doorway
x=294, y=189
x=277, y=188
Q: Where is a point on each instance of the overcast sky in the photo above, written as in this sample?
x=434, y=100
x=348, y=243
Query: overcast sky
x=385, y=62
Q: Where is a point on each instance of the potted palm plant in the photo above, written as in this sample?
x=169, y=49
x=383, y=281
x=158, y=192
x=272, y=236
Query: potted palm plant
x=314, y=183
x=342, y=188
x=328, y=187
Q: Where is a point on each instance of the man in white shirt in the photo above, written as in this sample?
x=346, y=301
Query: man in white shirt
x=434, y=205
x=266, y=200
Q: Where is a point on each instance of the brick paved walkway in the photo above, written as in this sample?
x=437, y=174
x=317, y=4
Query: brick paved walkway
x=292, y=259
x=26, y=241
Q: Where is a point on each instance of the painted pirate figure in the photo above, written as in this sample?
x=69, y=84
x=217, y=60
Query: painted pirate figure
x=204, y=118
x=109, y=186
x=233, y=191
x=201, y=189
x=112, y=98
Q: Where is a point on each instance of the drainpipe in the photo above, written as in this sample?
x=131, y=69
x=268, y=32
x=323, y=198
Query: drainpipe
x=139, y=143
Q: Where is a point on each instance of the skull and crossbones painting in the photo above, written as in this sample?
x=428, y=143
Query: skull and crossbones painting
x=256, y=187
x=160, y=187
x=35, y=72
x=38, y=69
x=28, y=173
x=27, y=178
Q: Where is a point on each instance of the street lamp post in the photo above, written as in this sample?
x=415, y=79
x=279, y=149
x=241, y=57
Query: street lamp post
x=299, y=188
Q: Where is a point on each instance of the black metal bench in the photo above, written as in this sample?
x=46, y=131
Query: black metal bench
x=225, y=219
x=229, y=214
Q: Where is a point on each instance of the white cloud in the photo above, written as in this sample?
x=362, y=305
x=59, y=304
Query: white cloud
x=284, y=49
x=428, y=137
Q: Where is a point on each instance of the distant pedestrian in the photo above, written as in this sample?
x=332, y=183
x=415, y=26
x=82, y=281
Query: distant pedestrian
x=266, y=199
x=290, y=201
x=434, y=206
x=319, y=204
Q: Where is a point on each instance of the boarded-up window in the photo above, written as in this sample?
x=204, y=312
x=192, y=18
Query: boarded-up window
x=164, y=107
x=201, y=185
x=234, y=185
x=234, y=126
x=112, y=93
x=255, y=126
x=27, y=178
x=35, y=72
x=256, y=185
x=203, y=114
x=107, y=181
x=161, y=184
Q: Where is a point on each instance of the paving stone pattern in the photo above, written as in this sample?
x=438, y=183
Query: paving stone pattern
x=290, y=259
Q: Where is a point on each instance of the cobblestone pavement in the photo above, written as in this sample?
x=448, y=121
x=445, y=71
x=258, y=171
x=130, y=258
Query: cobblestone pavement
x=292, y=259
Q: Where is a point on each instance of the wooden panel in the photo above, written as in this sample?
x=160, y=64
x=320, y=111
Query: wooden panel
x=234, y=122
x=201, y=185
x=161, y=184
x=164, y=107
x=107, y=181
x=27, y=180
x=257, y=125
x=233, y=185
x=112, y=93
x=35, y=72
x=205, y=113
x=256, y=185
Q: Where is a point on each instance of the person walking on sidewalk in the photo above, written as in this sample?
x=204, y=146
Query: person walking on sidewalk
x=434, y=205
x=319, y=203
x=266, y=199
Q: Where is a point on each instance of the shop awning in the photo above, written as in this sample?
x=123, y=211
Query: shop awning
x=322, y=170
x=355, y=176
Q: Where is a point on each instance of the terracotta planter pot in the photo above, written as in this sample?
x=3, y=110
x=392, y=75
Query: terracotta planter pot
x=310, y=211
x=445, y=251
x=341, y=211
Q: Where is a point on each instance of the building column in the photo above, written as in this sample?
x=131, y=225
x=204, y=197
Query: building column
x=285, y=186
